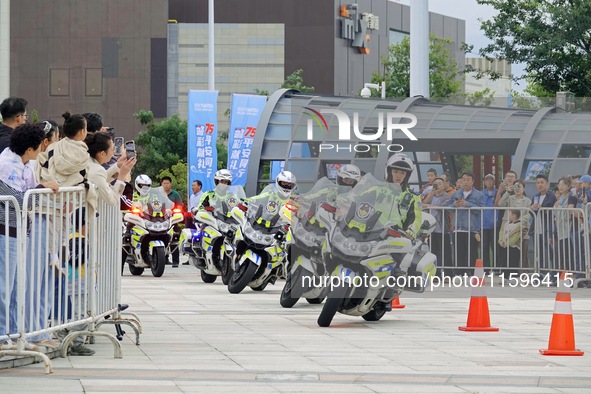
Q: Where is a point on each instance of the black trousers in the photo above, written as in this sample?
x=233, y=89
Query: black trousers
x=466, y=253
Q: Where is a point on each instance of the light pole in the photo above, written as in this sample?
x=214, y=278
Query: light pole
x=365, y=92
x=211, y=63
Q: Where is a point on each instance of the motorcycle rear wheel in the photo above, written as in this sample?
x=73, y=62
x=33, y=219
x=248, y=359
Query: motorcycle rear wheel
x=136, y=271
x=158, y=262
x=374, y=315
x=261, y=287
x=241, y=277
x=331, y=306
x=315, y=301
x=207, y=278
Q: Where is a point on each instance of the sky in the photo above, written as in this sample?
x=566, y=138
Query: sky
x=470, y=11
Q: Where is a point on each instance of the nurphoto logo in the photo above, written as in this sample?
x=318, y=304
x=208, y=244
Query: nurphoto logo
x=392, y=124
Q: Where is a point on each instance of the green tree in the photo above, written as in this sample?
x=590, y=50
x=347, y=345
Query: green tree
x=444, y=76
x=551, y=37
x=482, y=98
x=163, y=144
x=295, y=80
x=178, y=172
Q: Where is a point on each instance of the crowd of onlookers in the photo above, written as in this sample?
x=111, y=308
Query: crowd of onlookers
x=45, y=155
x=505, y=219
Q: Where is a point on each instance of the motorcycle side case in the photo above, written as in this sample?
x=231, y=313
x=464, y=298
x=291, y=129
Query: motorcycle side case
x=423, y=265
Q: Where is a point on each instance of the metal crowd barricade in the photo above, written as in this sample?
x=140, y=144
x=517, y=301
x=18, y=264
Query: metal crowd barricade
x=553, y=241
x=68, y=277
x=566, y=248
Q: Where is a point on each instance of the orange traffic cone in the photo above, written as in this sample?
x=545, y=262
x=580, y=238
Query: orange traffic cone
x=396, y=304
x=478, y=314
x=562, y=331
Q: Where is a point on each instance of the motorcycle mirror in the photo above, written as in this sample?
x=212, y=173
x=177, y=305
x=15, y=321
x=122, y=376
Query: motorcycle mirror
x=259, y=211
x=373, y=220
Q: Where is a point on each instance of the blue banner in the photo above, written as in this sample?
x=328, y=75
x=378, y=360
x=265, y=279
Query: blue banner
x=244, y=117
x=202, y=135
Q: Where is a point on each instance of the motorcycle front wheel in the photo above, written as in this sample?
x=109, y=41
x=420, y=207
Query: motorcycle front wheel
x=289, y=297
x=331, y=306
x=241, y=277
x=226, y=270
x=158, y=262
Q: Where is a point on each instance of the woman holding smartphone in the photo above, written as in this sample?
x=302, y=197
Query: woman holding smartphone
x=101, y=148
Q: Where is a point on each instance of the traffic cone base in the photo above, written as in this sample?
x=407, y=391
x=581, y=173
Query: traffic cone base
x=562, y=330
x=396, y=304
x=548, y=352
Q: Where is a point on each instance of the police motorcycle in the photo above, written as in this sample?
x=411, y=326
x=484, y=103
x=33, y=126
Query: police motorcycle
x=152, y=221
x=358, y=254
x=260, y=256
x=210, y=246
x=304, y=246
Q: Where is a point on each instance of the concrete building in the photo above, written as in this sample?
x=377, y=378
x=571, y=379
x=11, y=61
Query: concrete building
x=116, y=57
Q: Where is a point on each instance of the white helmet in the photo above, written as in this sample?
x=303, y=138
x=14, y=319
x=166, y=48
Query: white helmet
x=348, y=175
x=222, y=175
x=401, y=162
x=285, y=182
x=143, y=183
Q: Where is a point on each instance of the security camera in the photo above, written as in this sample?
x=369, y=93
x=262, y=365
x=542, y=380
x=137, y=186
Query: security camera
x=365, y=92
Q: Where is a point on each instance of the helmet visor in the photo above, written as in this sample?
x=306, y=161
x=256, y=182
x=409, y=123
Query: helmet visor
x=286, y=185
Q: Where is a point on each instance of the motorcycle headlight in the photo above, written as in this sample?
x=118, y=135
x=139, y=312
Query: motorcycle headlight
x=248, y=230
x=223, y=227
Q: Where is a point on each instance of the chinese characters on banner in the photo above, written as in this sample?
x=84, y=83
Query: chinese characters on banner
x=244, y=117
x=202, y=134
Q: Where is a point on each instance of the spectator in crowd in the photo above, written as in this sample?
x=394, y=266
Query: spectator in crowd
x=100, y=148
x=440, y=238
x=489, y=193
x=447, y=183
x=94, y=122
x=585, y=182
x=508, y=180
x=197, y=193
x=427, y=187
x=516, y=198
x=466, y=223
x=25, y=142
x=563, y=222
x=14, y=114
x=67, y=160
x=175, y=197
x=543, y=228
x=513, y=232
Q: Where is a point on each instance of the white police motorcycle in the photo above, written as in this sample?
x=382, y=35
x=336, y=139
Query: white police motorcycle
x=259, y=257
x=152, y=233
x=210, y=245
x=365, y=278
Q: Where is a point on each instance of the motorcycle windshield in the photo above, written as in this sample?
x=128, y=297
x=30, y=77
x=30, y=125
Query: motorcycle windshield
x=323, y=191
x=155, y=202
x=225, y=198
x=264, y=209
x=369, y=209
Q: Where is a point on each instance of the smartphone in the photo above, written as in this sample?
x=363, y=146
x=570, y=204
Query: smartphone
x=118, y=146
x=130, y=149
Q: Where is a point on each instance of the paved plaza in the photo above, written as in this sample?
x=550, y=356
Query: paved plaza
x=199, y=338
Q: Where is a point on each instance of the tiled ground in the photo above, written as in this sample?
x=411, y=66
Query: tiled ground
x=200, y=338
